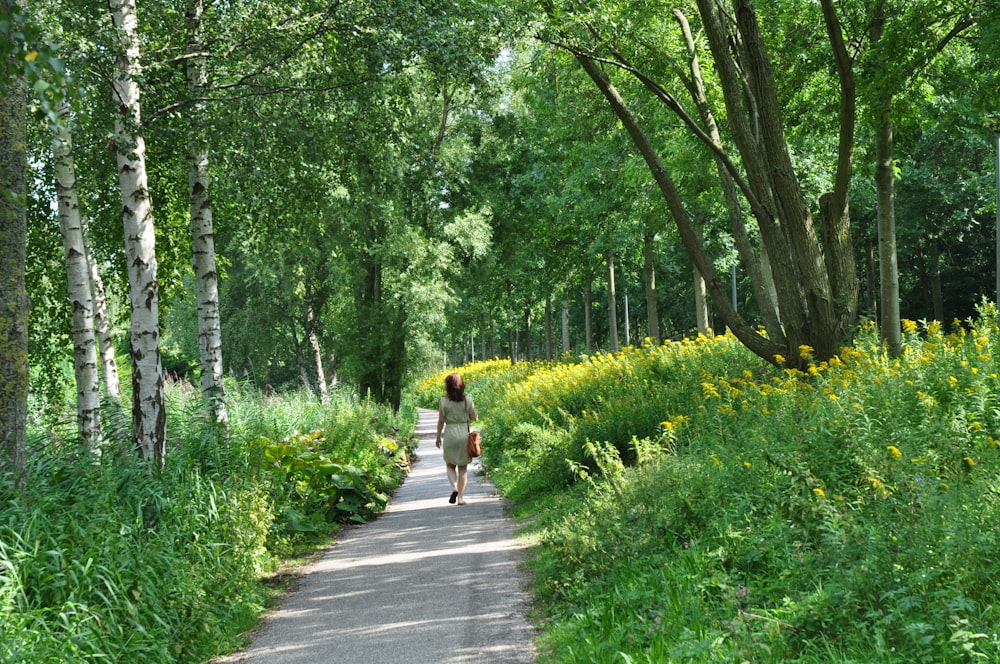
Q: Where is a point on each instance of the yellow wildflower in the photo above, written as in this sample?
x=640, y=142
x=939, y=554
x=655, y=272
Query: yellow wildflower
x=779, y=359
x=968, y=462
x=746, y=463
x=819, y=492
x=894, y=451
x=909, y=325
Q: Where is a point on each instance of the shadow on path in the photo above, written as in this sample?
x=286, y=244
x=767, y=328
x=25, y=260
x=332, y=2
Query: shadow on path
x=426, y=582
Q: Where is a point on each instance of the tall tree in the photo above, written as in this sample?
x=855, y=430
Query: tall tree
x=148, y=407
x=816, y=292
x=14, y=302
x=88, y=391
x=202, y=232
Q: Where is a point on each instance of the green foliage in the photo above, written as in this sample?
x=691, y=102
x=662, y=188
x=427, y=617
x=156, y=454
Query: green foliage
x=317, y=487
x=846, y=513
x=102, y=559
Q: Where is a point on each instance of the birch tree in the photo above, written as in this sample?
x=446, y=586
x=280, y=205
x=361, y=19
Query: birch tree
x=88, y=393
x=102, y=328
x=148, y=408
x=202, y=233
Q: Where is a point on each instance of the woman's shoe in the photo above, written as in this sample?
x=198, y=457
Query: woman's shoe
x=454, y=497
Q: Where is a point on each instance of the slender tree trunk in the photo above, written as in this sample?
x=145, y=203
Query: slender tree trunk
x=316, y=356
x=202, y=233
x=148, y=408
x=886, y=203
x=527, y=334
x=701, y=305
x=588, y=305
x=649, y=282
x=627, y=312
x=871, y=291
x=13, y=294
x=88, y=389
x=837, y=226
x=612, y=304
x=102, y=328
x=565, y=326
x=548, y=329
x=700, y=289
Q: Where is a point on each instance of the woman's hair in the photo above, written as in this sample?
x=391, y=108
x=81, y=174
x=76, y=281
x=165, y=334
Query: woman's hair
x=454, y=387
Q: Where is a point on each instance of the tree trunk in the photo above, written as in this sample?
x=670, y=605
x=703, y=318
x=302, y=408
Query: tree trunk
x=202, y=233
x=886, y=203
x=628, y=325
x=612, y=304
x=588, y=303
x=548, y=329
x=649, y=282
x=527, y=334
x=102, y=329
x=872, y=278
x=148, y=408
x=13, y=294
x=88, y=389
x=700, y=291
x=701, y=305
x=760, y=279
x=316, y=356
x=565, y=326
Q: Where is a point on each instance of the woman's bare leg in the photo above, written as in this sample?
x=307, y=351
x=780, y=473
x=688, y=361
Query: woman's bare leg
x=452, y=476
x=462, y=481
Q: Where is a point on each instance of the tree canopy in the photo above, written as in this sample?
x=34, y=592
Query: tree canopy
x=404, y=184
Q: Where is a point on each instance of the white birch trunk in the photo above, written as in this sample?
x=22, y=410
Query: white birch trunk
x=102, y=328
x=148, y=408
x=202, y=233
x=322, y=391
x=701, y=304
x=612, y=304
x=88, y=391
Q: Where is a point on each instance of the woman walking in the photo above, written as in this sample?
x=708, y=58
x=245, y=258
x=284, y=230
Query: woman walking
x=455, y=412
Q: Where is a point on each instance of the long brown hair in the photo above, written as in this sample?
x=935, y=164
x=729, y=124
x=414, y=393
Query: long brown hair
x=454, y=387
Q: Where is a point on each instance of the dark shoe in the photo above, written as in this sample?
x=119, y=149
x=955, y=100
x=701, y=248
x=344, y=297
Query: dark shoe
x=454, y=497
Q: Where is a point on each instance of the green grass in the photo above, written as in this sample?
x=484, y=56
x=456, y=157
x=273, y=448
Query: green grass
x=692, y=504
x=104, y=560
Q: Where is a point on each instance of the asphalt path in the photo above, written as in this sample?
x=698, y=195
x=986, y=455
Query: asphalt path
x=427, y=582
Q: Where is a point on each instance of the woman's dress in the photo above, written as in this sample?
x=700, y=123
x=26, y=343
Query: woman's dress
x=456, y=430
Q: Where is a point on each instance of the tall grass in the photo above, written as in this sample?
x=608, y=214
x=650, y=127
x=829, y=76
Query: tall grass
x=693, y=504
x=103, y=559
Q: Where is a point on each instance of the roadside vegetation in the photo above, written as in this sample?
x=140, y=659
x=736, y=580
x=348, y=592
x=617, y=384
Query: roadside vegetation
x=103, y=560
x=691, y=503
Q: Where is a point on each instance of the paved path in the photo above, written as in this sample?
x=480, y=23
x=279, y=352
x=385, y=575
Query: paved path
x=427, y=582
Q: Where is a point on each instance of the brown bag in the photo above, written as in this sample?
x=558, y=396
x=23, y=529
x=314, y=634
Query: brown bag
x=475, y=442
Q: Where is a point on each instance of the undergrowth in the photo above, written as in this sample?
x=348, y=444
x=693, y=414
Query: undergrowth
x=690, y=503
x=103, y=559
